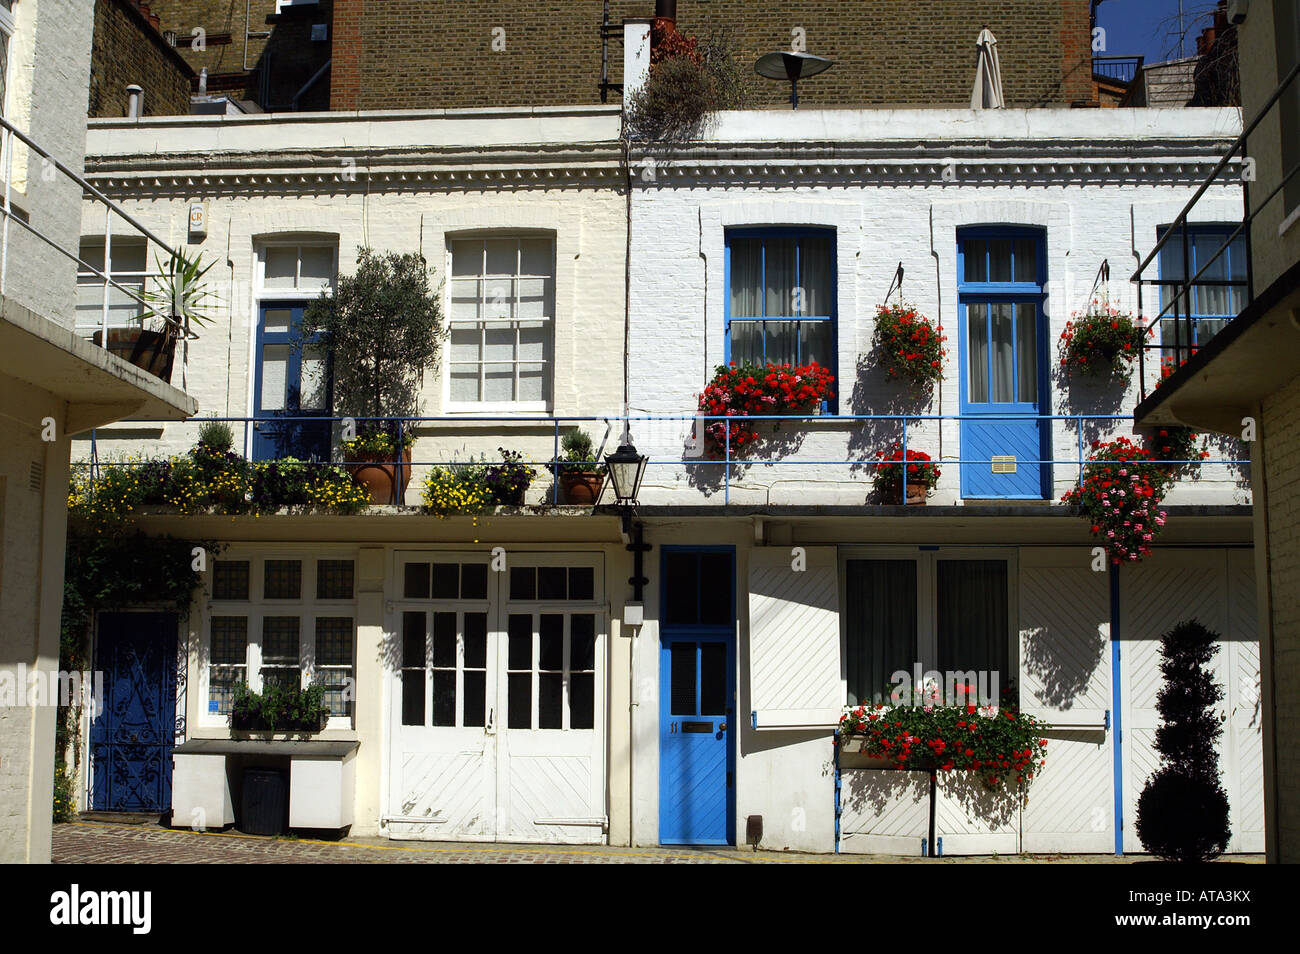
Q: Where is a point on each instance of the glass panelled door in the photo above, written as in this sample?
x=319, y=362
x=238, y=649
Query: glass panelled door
x=1003, y=358
x=292, y=382
x=498, y=707
x=697, y=691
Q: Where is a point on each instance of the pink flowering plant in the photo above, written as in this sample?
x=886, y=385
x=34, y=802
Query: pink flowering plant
x=1119, y=494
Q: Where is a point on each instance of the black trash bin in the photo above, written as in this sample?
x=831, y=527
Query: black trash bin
x=264, y=807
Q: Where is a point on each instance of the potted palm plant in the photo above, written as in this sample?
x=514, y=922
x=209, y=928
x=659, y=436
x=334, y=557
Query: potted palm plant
x=177, y=303
x=382, y=328
x=581, y=475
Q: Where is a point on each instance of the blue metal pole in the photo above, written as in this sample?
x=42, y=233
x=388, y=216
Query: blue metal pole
x=1116, y=698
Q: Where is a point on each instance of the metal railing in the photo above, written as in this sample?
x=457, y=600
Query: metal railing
x=50, y=166
x=1121, y=69
x=1182, y=301
x=695, y=455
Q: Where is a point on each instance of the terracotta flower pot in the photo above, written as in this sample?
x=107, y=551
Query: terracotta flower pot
x=379, y=477
x=581, y=488
x=916, y=495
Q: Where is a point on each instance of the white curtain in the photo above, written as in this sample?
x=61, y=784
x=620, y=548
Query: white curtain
x=880, y=625
x=1004, y=383
x=746, y=278
x=977, y=340
x=780, y=277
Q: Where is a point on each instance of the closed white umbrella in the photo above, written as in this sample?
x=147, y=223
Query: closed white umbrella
x=988, y=74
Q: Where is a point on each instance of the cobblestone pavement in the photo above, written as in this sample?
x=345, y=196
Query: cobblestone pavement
x=103, y=843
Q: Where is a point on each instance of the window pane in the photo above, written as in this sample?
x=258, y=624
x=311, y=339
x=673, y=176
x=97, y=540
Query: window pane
x=682, y=588
x=313, y=378
x=499, y=343
x=520, y=642
x=713, y=679
x=475, y=640
x=519, y=700
x=746, y=278
x=782, y=342
x=715, y=589
x=536, y=256
x=582, y=701
x=551, y=582
x=498, y=298
x=413, y=640
x=465, y=385
x=334, y=640
x=229, y=640
x=502, y=256
x=551, y=639
x=532, y=383
x=444, y=697
x=281, y=266
x=444, y=640
x=747, y=342
x=815, y=343
x=128, y=256
x=582, y=642
x=412, y=697
x=465, y=300
x=467, y=257
x=280, y=640
x=475, y=699
x=275, y=376
x=282, y=579
x=815, y=276
x=977, y=358
x=975, y=256
x=416, y=583
x=999, y=260
x=582, y=583
x=1026, y=252
x=499, y=383
x=681, y=663
x=779, y=274
x=230, y=580
x=523, y=583
x=972, y=617
x=334, y=579
x=1004, y=384
x=473, y=581
x=550, y=700
x=1027, y=351
x=317, y=269
x=880, y=625
x=413, y=660
x=446, y=581
x=534, y=338
x=534, y=298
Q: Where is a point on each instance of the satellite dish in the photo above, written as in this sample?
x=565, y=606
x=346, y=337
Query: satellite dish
x=793, y=67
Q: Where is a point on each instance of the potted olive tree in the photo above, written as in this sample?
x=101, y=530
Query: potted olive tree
x=382, y=328
x=581, y=476
x=176, y=304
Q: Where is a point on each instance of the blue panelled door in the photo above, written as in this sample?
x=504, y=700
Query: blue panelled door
x=132, y=736
x=292, y=382
x=697, y=697
x=1003, y=359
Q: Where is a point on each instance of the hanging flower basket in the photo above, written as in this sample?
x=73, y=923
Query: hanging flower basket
x=1102, y=343
x=909, y=345
x=743, y=390
x=922, y=476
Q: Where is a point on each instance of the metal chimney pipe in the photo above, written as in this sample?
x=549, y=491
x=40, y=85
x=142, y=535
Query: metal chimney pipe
x=666, y=10
x=203, y=81
x=134, y=101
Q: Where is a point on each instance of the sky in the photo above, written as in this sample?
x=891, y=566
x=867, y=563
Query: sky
x=1150, y=27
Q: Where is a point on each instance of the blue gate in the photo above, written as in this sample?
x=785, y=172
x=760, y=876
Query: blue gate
x=1003, y=360
x=697, y=689
x=132, y=735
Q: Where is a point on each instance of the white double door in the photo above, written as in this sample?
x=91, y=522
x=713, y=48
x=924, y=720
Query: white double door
x=497, y=698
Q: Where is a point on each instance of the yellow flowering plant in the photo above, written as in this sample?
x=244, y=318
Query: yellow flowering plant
x=458, y=488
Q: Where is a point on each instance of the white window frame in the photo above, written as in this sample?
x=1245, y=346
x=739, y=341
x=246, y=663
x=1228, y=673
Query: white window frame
x=927, y=595
x=8, y=27
x=534, y=408
x=128, y=279
x=257, y=607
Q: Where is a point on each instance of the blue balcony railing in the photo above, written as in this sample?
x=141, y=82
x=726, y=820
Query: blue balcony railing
x=665, y=430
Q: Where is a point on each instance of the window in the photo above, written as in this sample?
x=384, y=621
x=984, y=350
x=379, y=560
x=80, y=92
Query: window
x=297, y=270
x=1286, y=36
x=1001, y=287
x=781, y=297
x=267, y=628
x=6, y=33
x=128, y=267
x=948, y=614
x=1219, y=295
x=501, y=322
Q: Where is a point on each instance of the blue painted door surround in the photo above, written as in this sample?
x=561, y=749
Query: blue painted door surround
x=279, y=333
x=697, y=691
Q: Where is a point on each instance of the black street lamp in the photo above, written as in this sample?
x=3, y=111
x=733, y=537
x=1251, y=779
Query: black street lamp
x=626, y=468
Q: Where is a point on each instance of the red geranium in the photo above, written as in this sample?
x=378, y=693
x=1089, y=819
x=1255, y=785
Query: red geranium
x=750, y=390
x=910, y=345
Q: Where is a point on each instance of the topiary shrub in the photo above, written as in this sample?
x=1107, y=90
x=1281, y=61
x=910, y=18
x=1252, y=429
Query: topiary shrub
x=1182, y=813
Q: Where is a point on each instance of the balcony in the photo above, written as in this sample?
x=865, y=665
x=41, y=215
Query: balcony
x=813, y=461
x=42, y=200
x=1117, y=69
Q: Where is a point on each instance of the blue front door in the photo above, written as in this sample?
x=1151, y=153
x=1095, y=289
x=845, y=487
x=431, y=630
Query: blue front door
x=1005, y=443
x=697, y=697
x=132, y=734
x=292, y=382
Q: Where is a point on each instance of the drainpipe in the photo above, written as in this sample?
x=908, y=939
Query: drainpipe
x=134, y=101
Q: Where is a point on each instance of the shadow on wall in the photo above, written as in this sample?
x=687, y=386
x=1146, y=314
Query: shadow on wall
x=875, y=393
x=883, y=793
x=1062, y=669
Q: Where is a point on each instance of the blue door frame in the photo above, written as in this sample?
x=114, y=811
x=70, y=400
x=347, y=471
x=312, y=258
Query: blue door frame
x=1013, y=428
x=132, y=736
x=697, y=710
x=275, y=439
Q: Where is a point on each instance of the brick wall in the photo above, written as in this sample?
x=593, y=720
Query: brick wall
x=129, y=49
x=427, y=54
x=1281, y=432
x=230, y=41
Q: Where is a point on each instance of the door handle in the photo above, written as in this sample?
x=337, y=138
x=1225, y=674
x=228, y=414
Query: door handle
x=722, y=727
x=491, y=728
